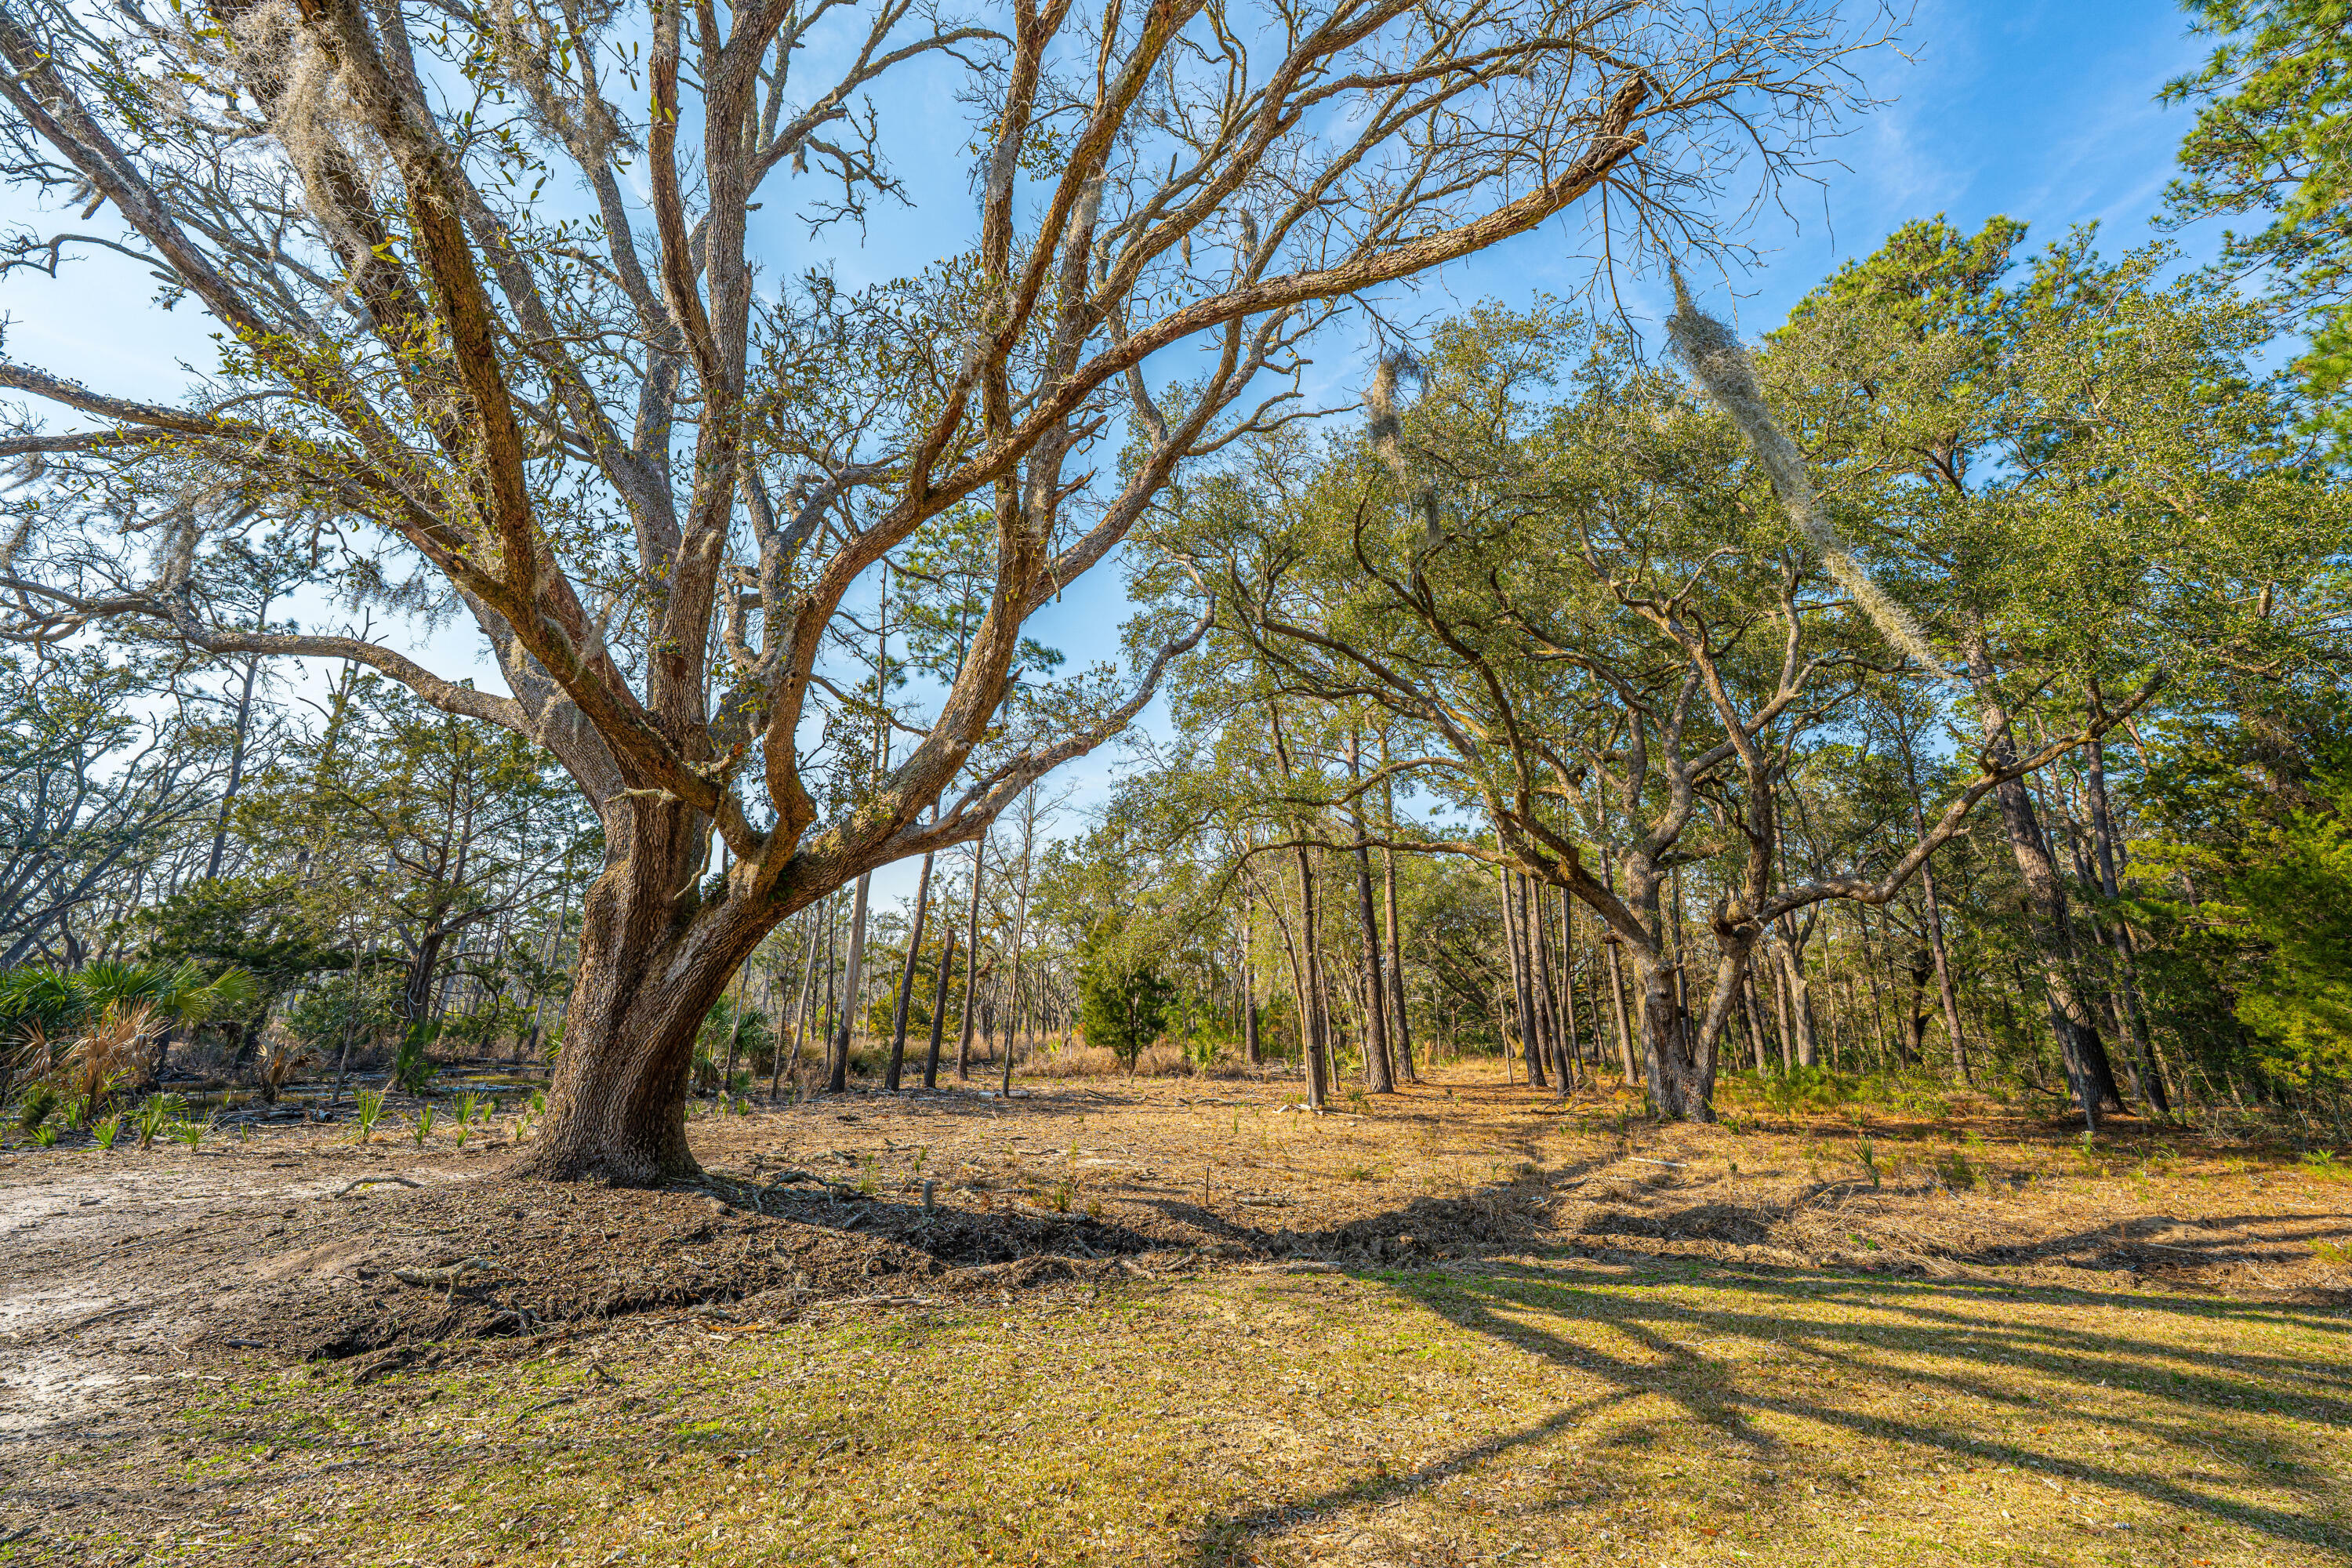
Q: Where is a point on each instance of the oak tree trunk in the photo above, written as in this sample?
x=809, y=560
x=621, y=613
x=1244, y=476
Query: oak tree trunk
x=1682, y=1070
x=652, y=961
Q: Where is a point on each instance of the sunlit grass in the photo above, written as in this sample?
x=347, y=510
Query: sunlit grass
x=1542, y=1410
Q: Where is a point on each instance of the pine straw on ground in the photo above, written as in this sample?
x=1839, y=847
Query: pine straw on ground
x=1177, y=1323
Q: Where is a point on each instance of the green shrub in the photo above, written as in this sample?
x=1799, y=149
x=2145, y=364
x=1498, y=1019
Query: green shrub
x=157, y=1112
x=1122, y=1010
x=33, y=1110
x=412, y=1068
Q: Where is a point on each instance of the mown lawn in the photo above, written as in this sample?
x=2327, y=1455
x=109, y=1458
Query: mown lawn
x=1545, y=1408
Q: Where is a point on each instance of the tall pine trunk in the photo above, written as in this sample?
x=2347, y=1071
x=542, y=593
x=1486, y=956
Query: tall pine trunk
x=1563, y=1070
x=940, y=1011
x=1937, y=949
x=1315, y=1020
x=2088, y=1074
x=1250, y=1050
x=1522, y=992
x=1402, y=1026
x=970, y=963
x=1379, y=1071
x=907, y=979
x=2109, y=852
x=1020, y=933
x=853, y=976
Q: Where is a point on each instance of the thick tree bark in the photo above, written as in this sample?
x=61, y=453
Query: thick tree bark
x=649, y=973
x=1682, y=1067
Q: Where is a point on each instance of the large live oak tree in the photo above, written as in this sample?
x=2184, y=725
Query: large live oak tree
x=491, y=313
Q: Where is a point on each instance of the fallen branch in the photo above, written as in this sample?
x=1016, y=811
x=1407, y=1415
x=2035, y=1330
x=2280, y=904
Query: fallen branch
x=783, y=1178
x=448, y=1277
x=80, y=1323
x=376, y=1180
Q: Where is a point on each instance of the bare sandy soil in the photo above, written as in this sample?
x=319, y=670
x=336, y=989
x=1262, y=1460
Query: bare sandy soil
x=140, y=1289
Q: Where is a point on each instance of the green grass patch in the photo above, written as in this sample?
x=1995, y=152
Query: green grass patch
x=1546, y=1410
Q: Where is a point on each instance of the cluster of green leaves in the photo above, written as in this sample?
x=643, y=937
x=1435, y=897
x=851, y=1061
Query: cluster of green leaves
x=1122, y=1003
x=2249, y=877
x=2273, y=141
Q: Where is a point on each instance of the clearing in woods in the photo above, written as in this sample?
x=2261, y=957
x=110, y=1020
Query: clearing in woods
x=1174, y=1322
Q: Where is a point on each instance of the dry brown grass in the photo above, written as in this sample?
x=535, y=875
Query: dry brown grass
x=114, y=1051
x=1548, y=1334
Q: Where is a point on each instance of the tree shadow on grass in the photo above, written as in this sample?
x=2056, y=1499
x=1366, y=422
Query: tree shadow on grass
x=1949, y=1342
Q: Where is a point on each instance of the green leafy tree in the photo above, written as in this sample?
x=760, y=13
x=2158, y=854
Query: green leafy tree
x=2272, y=148
x=1122, y=1007
x=86, y=792
x=2294, y=899
x=413, y=827
x=2082, y=482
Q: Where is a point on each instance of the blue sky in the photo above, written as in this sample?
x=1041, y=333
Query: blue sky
x=2042, y=111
